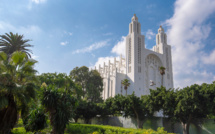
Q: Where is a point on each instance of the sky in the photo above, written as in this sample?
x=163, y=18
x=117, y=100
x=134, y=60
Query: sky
x=74, y=33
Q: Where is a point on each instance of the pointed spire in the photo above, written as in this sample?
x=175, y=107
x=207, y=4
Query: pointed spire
x=160, y=29
x=134, y=18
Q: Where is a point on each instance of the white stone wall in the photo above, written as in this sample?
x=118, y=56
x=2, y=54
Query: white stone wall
x=140, y=66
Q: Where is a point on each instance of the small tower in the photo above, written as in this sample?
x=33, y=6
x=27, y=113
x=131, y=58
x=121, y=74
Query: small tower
x=161, y=40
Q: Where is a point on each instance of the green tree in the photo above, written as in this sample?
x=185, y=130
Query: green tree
x=193, y=103
x=36, y=120
x=91, y=83
x=186, y=105
x=9, y=43
x=81, y=76
x=94, y=87
x=137, y=108
x=17, y=88
x=126, y=84
x=58, y=100
x=86, y=110
x=162, y=72
x=61, y=80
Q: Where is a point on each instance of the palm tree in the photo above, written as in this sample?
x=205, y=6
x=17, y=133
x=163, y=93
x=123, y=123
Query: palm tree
x=10, y=43
x=162, y=72
x=126, y=84
x=17, y=84
x=58, y=99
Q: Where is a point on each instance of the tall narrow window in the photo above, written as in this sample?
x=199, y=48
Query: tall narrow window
x=137, y=28
x=129, y=52
x=131, y=28
x=129, y=69
x=139, y=50
x=139, y=69
x=167, y=60
x=158, y=39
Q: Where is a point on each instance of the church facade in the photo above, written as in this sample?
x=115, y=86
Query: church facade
x=140, y=66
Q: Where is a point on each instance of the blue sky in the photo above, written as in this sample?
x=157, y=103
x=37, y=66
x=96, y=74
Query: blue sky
x=71, y=33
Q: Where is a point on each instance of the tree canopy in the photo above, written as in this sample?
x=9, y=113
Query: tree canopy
x=17, y=87
x=90, y=81
x=9, y=43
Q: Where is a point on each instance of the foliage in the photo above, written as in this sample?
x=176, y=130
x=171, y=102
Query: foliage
x=9, y=43
x=36, y=120
x=162, y=70
x=90, y=81
x=126, y=84
x=94, y=87
x=186, y=105
x=17, y=88
x=86, y=110
x=102, y=129
x=57, y=91
x=80, y=76
x=137, y=107
x=60, y=80
x=60, y=105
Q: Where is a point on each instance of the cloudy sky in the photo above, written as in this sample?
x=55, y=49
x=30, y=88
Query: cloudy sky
x=70, y=33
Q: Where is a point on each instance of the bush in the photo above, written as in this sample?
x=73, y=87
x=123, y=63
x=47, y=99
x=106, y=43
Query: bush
x=101, y=129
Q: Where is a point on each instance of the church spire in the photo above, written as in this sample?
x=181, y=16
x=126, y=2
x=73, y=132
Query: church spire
x=134, y=26
x=161, y=36
x=134, y=18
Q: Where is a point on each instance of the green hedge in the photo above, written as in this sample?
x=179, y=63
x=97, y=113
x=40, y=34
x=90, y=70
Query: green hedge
x=101, y=129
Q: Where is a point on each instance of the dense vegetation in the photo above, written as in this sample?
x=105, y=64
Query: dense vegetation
x=60, y=98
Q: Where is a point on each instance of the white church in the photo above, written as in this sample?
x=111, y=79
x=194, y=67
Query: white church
x=140, y=65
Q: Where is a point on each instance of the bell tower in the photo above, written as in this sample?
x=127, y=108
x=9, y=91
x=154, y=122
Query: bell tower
x=135, y=45
x=161, y=41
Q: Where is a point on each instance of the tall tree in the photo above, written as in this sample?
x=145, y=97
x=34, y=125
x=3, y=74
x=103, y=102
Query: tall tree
x=9, y=43
x=94, y=87
x=17, y=88
x=162, y=72
x=126, y=84
x=81, y=76
x=91, y=83
x=58, y=100
x=137, y=108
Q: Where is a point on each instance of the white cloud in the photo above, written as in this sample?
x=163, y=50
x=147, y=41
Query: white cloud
x=186, y=34
x=92, y=47
x=119, y=48
x=64, y=43
x=70, y=33
x=28, y=31
x=149, y=34
x=34, y=56
x=209, y=59
x=38, y=1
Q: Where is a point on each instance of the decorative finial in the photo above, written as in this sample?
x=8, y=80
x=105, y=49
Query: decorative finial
x=160, y=26
x=134, y=18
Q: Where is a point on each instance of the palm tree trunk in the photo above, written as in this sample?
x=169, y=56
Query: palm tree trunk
x=161, y=80
x=8, y=116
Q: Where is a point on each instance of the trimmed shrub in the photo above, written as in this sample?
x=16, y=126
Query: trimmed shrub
x=101, y=129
